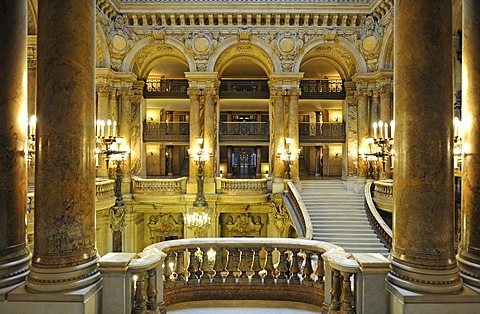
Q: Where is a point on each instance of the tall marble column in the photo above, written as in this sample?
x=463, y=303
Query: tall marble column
x=14, y=255
x=386, y=116
x=65, y=257
x=210, y=137
x=469, y=251
x=350, y=148
x=293, y=121
x=258, y=170
x=103, y=113
x=137, y=157
x=363, y=133
x=375, y=107
x=229, y=161
x=32, y=99
x=277, y=130
x=423, y=252
x=196, y=124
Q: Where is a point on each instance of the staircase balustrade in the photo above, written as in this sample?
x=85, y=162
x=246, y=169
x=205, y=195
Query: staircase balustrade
x=242, y=186
x=104, y=189
x=382, y=229
x=159, y=186
x=184, y=270
x=299, y=213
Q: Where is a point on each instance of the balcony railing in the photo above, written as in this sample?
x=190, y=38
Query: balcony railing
x=242, y=186
x=166, y=88
x=241, y=131
x=322, y=131
x=322, y=89
x=306, y=271
x=168, y=131
x=159, y=186
x=299, y=214
x=256, y=89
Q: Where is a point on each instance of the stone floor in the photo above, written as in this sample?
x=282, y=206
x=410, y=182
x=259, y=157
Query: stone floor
x=243, y=307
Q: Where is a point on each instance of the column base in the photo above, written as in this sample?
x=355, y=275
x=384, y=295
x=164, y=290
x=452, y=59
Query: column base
x=83, y=301
x=14, y=272
x=405, y=301
x=63, y=279
x=421, y=280
x=469, y=268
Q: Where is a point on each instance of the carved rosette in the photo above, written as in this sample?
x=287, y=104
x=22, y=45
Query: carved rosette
x=201, y=44
x=287, y=44
x=370, y=41
x=120, y=40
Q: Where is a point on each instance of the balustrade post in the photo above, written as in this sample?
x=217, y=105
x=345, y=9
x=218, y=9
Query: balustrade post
x=218, y=266
x=320, y=270
x=180, y=267
x=245, y=264
x=206, y=270
x=269, y=268
x=151, y=290
x=256, y=267
x=307, y=270
x=282, y=269
x=232, y=265
x=335, y=290
x=295, y=268
x=140, y=296
x=167, y=271
x=192, y=266
x=346, y=295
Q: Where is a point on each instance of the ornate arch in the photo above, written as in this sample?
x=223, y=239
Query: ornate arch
x=342, y=52
x=101, y=47
x=254, y=49
x=385, y=59
x=141, y=58
x=32, y=16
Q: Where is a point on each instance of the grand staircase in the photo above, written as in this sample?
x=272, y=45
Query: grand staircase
x=338, y=216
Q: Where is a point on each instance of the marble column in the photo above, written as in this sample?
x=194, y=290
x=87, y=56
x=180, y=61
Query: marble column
x=209, y=132
x=423, y=252
x=103, y=113
x=196, y=124
x=14, y=255
x=293, y=122
x=350, y=148
x=278, y=132
x=375, y=109
x=124, y=127
x=363, y=132
x=229, y=161
x=137, y=156
x=258, y=170
x=65, y=257
x=386, y=116
x=32, y=100
x=469, y=251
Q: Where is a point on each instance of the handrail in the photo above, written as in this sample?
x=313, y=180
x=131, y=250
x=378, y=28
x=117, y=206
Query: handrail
x=301, y=212
x=381, y=227
x=159, y=186
x=243, y=186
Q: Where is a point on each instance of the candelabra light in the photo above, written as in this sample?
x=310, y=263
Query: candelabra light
x=288, y=156
x=32, y=126
x=105, y=140
x=457, y=145
x=198, y=217
x=384, y=144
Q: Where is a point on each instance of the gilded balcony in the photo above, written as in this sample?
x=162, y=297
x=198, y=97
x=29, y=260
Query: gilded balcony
x=325, y=132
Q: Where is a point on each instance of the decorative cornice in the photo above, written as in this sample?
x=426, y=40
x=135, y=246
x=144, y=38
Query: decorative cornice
x=248, y=1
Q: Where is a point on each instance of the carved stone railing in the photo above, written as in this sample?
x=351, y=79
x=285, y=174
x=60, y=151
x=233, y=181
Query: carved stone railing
x=299, y=212
x=166, y=88
x=383, y=230
x=242, y=186
x=159, y=186
x=244, y=131
x=306, y=271
x=322, y=131
x=167, y=131
x=383, y=195
x=322, y=89
x=244, y=89
x=104, y=189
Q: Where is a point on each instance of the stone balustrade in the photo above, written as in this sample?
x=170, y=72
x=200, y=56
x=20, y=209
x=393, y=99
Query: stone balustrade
x=242, y=186
x=377, y=220
x=104, y=189
x=159, y=186
x=248, y=268
x=300, y=215
x=383, y=195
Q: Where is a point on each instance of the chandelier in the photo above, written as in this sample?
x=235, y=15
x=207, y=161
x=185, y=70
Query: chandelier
x=287, y=155
x=383, y=139
x=105, y=140
x=198, y=217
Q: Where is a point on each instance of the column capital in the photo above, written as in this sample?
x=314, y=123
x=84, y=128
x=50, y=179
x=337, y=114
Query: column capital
x=202, y=80
x=286, y=80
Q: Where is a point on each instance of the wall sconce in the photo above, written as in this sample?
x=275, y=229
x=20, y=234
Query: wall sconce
x=151, y=118
x=288, y=156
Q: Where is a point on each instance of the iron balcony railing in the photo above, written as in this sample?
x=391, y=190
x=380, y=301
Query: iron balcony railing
x=239, y=131
x=171, y=131
x=257, y=89
x=166, y=88
x=322, y=131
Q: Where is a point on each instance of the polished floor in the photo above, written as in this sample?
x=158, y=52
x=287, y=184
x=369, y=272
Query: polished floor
x=243, y=307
